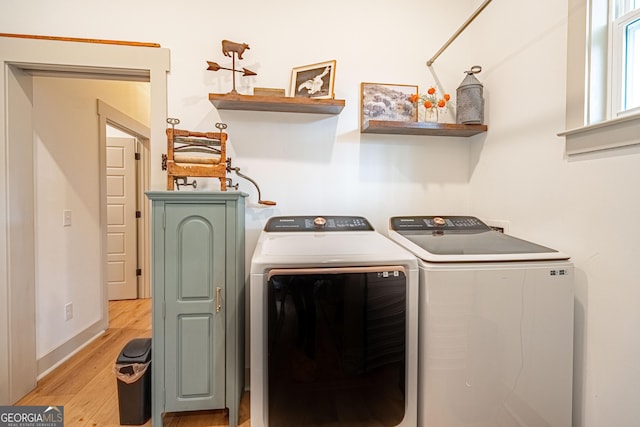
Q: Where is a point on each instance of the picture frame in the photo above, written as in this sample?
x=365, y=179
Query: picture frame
x=383, y=101
x=313, y=81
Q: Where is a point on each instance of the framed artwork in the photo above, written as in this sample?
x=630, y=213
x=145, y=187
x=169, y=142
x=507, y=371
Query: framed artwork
x=379, y=101
x=313, y=81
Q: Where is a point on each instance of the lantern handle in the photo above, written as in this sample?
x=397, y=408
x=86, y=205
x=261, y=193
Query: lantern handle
x=474, y=70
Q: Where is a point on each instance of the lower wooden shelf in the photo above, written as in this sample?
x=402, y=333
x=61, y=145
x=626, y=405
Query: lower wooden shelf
x=421, y=128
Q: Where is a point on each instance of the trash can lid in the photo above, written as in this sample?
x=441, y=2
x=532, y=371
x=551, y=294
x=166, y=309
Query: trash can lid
x=137, y=347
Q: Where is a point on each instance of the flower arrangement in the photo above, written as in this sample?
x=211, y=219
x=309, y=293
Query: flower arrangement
x=431, y=102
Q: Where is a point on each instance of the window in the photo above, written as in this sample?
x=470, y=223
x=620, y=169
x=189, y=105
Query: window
x=613, y=44
x=603, y=75
x=625, y=58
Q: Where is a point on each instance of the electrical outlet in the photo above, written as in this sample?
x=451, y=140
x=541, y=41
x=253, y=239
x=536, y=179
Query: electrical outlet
x=66, y=218
x=68, y=311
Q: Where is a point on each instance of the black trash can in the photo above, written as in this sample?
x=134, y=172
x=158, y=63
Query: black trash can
x=133, y=371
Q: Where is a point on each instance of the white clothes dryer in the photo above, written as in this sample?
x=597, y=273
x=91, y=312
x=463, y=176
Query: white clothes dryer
x=334, y=325
x=496, y=325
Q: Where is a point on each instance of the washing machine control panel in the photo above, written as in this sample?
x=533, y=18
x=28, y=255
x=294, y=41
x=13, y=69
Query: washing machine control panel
x=317, y=223
x=417, y=223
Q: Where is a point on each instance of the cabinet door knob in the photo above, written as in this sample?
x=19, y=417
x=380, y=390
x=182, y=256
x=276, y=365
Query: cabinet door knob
x=218, y=299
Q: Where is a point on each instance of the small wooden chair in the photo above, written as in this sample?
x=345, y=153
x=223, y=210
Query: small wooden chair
x=195, y=154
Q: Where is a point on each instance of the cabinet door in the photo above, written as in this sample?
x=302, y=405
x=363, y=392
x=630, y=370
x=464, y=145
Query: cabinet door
x=194, y=324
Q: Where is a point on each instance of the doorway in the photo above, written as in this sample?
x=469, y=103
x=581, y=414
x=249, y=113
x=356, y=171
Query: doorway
x=19, y=364
x=126, y=142
x=70, y=194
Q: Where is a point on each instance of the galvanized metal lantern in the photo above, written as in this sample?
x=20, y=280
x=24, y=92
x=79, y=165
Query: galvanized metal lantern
x=470, y=108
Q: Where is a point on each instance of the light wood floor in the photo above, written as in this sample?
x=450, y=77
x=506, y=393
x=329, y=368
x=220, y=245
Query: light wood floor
x=87, y=388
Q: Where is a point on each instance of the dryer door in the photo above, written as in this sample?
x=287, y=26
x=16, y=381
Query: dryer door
x=337, y=346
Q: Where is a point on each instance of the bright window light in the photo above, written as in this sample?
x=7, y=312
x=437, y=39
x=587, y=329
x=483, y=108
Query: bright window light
x=625, y=58
x=632, y=69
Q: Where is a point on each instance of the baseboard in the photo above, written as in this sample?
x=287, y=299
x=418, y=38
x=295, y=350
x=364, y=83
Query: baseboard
x=56, y=357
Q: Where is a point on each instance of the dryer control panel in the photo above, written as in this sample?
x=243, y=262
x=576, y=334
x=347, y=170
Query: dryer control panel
x=417, y=223
x=317, y=223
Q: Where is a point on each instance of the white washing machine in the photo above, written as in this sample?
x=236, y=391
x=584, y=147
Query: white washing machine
x=334, y=325
x=496, y=325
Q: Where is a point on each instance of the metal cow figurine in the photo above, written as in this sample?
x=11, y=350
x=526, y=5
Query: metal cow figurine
x=229, y=46
x=232, y=49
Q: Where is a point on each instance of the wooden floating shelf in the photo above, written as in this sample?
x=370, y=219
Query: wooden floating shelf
x=421, y=128
x=229, y=101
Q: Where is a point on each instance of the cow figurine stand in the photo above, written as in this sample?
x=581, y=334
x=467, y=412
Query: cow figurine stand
x=232, y=49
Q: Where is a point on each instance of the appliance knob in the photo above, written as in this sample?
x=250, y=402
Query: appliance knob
x=319, y=222
x=439, y=221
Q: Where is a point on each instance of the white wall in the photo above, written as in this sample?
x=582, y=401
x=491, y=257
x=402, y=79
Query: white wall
x=517, y=171
x=586, y=206
x=305, y=163
x=69, y=259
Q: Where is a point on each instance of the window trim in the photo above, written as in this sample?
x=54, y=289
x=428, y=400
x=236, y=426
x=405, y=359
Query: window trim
x=609, y=134
x=584, y=135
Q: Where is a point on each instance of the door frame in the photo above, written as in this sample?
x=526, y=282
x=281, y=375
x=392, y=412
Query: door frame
x=18, y=57
x=111, y=116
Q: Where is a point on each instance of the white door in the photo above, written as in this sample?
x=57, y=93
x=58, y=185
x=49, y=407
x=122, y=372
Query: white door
x=122, y=246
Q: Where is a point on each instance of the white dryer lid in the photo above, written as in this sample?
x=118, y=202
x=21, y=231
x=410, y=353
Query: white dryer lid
x=326, y=248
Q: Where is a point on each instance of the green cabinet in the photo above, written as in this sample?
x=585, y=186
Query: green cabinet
x=198, y=302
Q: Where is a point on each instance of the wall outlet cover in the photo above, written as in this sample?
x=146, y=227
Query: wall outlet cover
x=68, y=311
x=66, y=218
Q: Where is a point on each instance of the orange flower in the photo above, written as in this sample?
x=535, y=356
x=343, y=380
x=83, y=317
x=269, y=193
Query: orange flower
x=431, y=100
